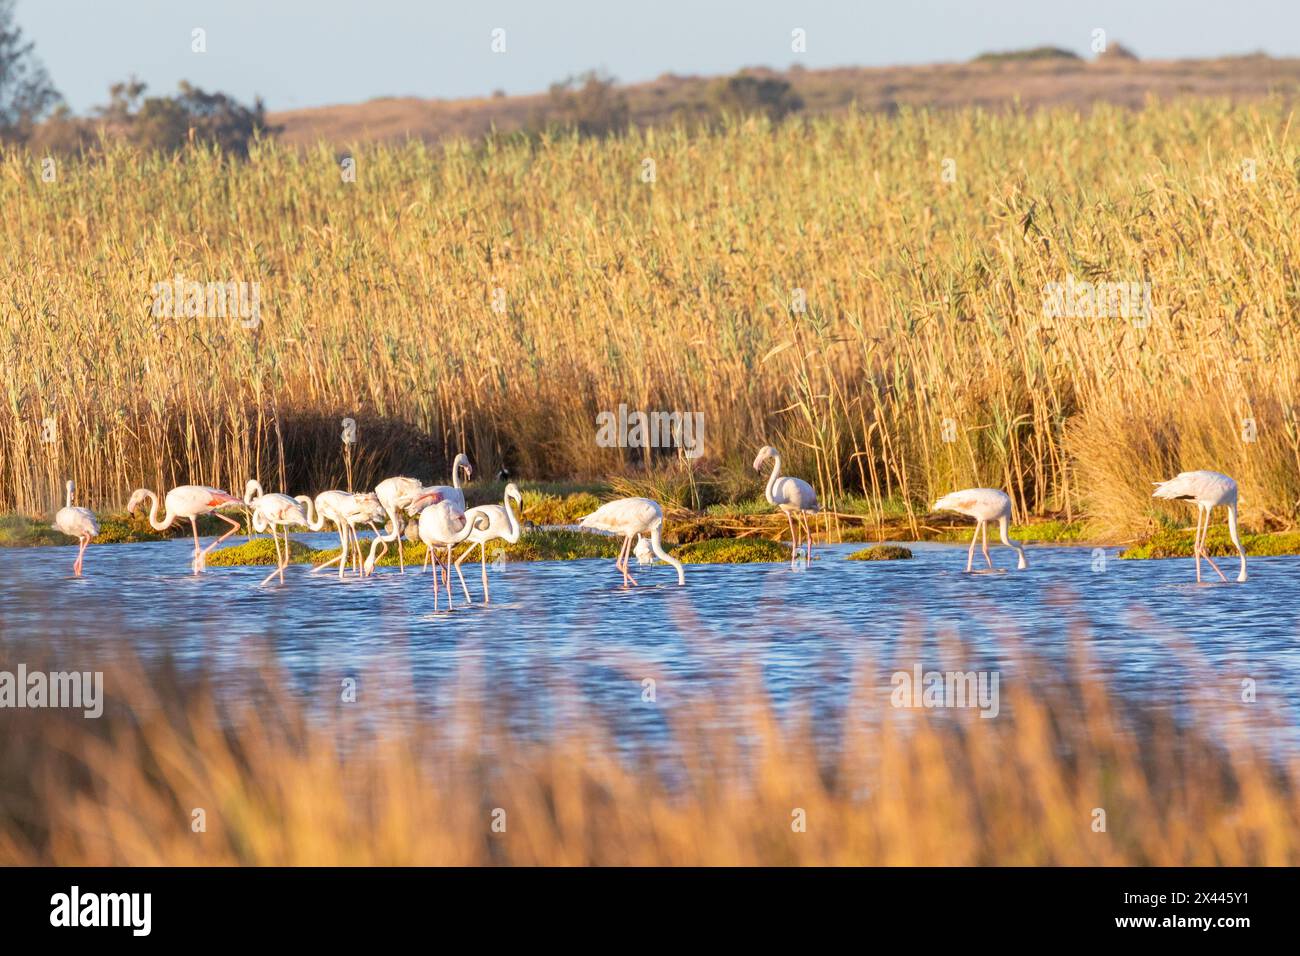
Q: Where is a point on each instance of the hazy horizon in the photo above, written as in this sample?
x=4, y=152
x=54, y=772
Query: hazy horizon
x=297, y=54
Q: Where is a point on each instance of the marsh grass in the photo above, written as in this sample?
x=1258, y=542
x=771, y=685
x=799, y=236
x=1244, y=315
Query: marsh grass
x=1178, y=544
x=290, y=780
x=880, y=552
x=924, y=307
x=731, y=551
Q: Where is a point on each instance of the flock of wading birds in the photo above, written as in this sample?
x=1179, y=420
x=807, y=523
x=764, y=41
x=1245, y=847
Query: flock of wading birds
x=443, y=522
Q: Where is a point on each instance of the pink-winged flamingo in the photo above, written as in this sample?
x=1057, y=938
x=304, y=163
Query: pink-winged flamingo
x=453, y=492
x=503, y=525
x=984, y=505
x=631, y=517
x=443, y=525
x=188, y=501
x=79, y=523
x=1207, y=490
x=272, y=512
x=794, y=496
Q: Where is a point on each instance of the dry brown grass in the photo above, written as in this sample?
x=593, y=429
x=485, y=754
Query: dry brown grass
x=924, y=304
x=284, y=783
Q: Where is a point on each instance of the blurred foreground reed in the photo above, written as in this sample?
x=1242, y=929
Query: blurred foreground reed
x=382, y=785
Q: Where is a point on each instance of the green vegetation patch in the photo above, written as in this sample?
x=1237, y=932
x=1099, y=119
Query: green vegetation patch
x=731, y=551
x=1040, y=532
x=881, y=552
x=548, y=509
x=1178, y=544
x=261, y=551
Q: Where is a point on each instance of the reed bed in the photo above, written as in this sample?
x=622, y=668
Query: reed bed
x=1066, y=774
x=827, y=285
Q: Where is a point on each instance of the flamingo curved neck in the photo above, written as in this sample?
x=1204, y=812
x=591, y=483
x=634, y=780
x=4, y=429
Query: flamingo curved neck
x=773, y=479
x=315, y=519
x=513, y=529
x=154, y=522
x=656, y=545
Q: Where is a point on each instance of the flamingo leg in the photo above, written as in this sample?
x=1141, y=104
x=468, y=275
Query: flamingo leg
x=620, y=561
x=401, y=554
x=807, y=530
x=1199, y=546
x=276, y=542
x=970, y=554
x=203, y=555
x=794, y=546
x=81, y=553
x=467, y=552
x=984, y=542
x=446, y=576
x=1204, y=538
x=195, y=563
x=342, y=555
x=463, y=587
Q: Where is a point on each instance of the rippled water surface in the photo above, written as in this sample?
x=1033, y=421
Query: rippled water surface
x=815, y=638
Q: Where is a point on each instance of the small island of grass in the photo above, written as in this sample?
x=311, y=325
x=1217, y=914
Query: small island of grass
x=881, y=552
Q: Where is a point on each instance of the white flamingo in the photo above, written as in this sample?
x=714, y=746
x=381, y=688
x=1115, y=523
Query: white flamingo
x=443, y=525
x=395, y=495
x=642, y=551
x=502, y=526
x=188, y=501
x=345, y=511
x=79, y=523
x=794, y=496
x=631, y=517
x=1207, y=490
x=984, y=505
x=398, y=494
x=272, y=512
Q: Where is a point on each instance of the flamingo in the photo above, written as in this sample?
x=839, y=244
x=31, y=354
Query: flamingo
x=344, y=510
x=984, y=505
x=188, y=501
x=794, y=496
x=396, y=494
x=642, y=551
x=1208, y=490
x=77, y=523
x=631, y=517
x=442, y=524
x=269, y=513
x=502, y=526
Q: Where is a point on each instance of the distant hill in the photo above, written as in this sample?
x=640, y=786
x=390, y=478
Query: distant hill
x=1035, y=78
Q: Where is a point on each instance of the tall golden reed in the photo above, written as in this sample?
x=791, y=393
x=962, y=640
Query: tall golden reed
x=924, y=284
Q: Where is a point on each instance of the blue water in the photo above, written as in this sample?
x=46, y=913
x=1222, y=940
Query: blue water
x=556, y=630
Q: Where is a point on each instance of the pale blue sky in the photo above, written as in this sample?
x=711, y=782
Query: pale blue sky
x=312, y=52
